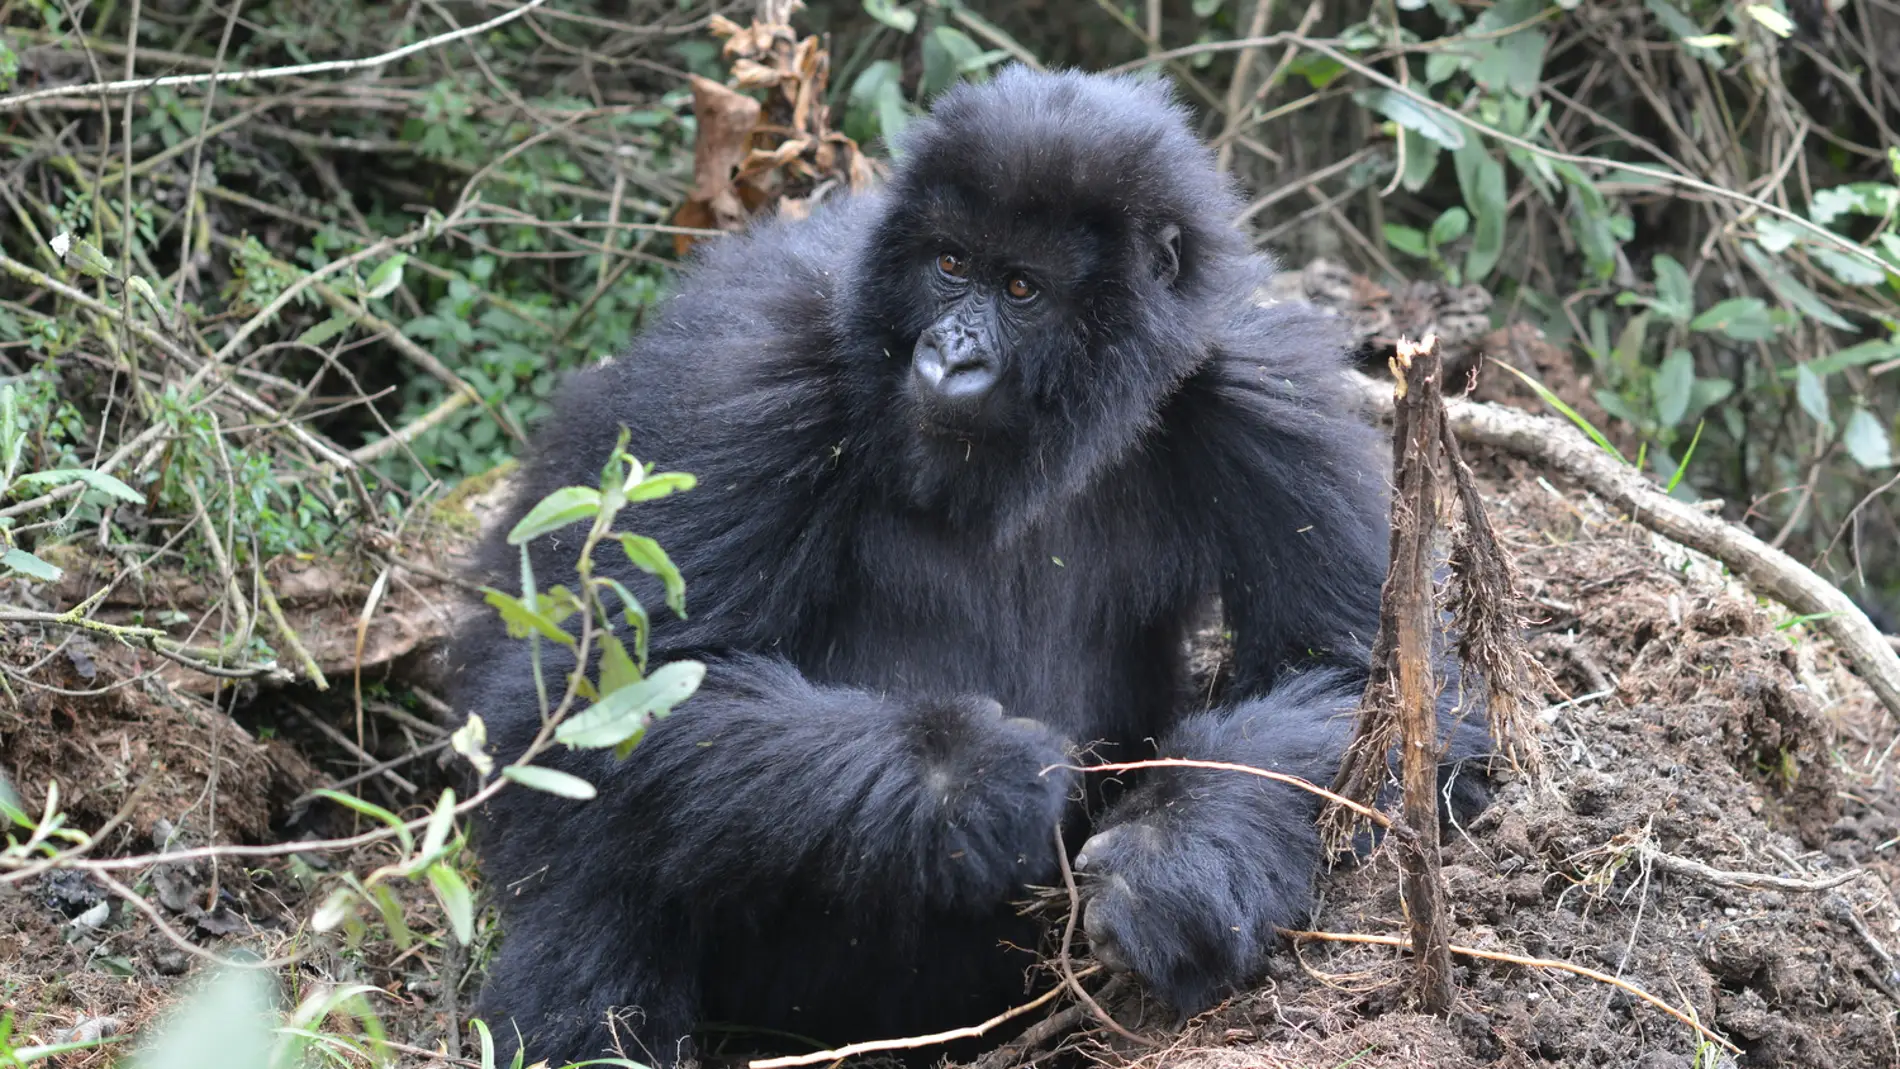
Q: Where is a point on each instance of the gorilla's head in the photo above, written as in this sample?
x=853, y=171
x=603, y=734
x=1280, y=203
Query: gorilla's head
x=1056, y=252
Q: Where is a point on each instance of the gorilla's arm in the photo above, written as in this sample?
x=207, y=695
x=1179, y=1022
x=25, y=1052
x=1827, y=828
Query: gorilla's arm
x=1196, y=868
x=765, y=777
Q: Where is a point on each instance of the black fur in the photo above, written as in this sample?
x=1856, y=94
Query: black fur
x=827, y=839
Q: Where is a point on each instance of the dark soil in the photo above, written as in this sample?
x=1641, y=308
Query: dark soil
x=1687, y=722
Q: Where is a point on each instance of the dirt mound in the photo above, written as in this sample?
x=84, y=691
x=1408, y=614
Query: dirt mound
x=1699, y=780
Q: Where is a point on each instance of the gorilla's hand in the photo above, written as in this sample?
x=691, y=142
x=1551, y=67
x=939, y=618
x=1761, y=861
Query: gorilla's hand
x=986, y=809
x=1188, y=899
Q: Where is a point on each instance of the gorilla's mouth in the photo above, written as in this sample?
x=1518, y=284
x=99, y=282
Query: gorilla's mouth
x=975, y=419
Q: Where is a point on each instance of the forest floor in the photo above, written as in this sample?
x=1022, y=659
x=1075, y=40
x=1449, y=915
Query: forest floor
x=1713, y=774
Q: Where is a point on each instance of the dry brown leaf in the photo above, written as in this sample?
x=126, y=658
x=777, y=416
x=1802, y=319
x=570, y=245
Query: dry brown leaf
x=753, y=156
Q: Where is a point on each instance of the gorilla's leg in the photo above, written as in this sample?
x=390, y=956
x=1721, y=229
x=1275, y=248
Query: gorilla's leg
x=1189, y=875
x=761, y=784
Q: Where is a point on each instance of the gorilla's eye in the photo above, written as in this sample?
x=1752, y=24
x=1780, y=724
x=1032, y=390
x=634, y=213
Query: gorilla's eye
x=951, y=264
x=1020, y=288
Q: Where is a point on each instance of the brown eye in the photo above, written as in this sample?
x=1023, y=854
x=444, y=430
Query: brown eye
x=950, y=264
x=1020, y=288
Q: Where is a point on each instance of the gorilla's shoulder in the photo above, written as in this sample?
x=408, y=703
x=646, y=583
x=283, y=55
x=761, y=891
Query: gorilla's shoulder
x=748, y=338
x=778, y=281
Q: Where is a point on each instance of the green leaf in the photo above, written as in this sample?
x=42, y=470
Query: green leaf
x=1513, y=64
x=523, y=620
x=384, y=280
x=1421, y=160
x=1776, y=235
x=892, y=114
x=1628, y=354
x=1856, y=198
x=1674, y=382
x=1319, y=71
x=226, y=1022
x=565, y=506
x=634, y=613
x=19, y=560
x=1776, y=22
x=95, y=480
x=1812, y=393
x=647, y=556
x=1792, y=291
x=1613, y=403
x=1569, y=413
x=1450, y=226
x=373, y=811
x=1407, y=240
x=441, y=823
x=1413, y=116
x=1487, y=245
x=391, y=908
x=1683, y=468
x=949, y=53
x=625, y=713
x=82, y=256
x=1592, y=228
x=1852, y=270
x=1741, y=318
x=457, y=902
x=901, y=19
x=660, y=485
x=617, y=670
x=1441, y=64
x=553, y=781
x=1675, y=295
x=487, y=1043
x=1481, y=183
x=1866, y=440
x=12, y=806
x=1708, y=392
x=324, y=331
x=1867, y=352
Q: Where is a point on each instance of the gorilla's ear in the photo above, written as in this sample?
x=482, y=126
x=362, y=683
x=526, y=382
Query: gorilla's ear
x=1168, y=254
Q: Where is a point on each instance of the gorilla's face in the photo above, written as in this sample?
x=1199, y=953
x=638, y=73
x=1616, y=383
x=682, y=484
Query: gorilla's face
x=1039, y=281
x=992, y=321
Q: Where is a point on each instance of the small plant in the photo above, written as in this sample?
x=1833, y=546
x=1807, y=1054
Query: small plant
x=876, y=103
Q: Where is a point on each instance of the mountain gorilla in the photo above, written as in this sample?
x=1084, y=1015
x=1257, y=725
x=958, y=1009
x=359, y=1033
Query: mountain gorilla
x=974, y=455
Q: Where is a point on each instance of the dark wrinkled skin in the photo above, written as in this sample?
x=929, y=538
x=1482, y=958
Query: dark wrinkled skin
x=954, y=520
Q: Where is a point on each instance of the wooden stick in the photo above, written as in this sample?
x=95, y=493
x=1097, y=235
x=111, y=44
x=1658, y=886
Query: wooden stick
x=1409, y=693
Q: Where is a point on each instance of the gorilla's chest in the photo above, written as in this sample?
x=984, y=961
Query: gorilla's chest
x=1076, y=623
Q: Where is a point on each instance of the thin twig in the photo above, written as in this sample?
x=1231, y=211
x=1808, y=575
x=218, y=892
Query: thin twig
x=134, y=85
x=1069, y=976
x=911, y=1042
x=1747, y=881
x=1365, y=811
x=1535, y=963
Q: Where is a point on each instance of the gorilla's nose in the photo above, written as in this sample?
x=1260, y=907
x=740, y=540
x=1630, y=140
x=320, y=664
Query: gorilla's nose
x=953, y=366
